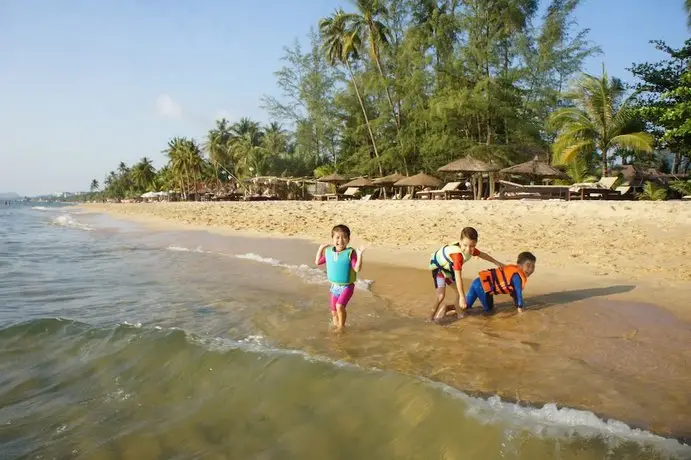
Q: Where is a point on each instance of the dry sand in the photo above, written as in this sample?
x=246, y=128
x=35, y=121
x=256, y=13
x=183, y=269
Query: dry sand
x=585, y=242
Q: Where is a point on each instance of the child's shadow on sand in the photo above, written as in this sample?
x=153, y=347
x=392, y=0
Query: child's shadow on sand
x=539, y=302
x=554, y=299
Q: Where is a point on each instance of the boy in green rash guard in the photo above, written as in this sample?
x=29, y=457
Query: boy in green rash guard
x=446, y=265
x=342, y=265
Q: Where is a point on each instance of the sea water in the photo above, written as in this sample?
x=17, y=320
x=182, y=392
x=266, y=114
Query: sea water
x=121, y=343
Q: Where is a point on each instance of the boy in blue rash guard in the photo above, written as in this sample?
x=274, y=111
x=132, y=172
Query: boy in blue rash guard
x=342, y=265
x=510, y=279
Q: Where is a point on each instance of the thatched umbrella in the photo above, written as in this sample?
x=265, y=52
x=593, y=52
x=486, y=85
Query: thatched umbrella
x=535, y=168
x=359, y=182
x=389, y=180
x=418, y=180
x=334, y=178
x=468, y=164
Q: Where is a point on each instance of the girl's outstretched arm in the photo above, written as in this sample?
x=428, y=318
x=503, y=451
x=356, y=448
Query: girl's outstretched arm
x=320, y=254
x=358, y=263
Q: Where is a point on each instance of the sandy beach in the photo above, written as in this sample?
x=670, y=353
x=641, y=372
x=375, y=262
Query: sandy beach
x=578, y=244
x=634, y=240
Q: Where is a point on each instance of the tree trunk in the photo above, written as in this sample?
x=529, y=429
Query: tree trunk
x=364, y=112
x=676, y=163
x=396, y=116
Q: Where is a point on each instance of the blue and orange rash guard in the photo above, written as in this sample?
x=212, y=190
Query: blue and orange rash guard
x=353, y=258
x=458, y=262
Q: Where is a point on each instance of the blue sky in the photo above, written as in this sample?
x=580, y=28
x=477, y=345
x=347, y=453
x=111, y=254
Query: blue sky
x=85, y=84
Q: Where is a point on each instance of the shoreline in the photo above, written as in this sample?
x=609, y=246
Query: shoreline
x=577, y=328
x=652, y=253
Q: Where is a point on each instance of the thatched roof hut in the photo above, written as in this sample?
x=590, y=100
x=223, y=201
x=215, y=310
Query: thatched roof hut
x=388, y=180
x=334, y=178
x=469, y=164
x=359, y=182
x=534, y=167
x=419, y=180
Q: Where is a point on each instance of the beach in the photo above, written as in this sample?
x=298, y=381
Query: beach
x=577, y=243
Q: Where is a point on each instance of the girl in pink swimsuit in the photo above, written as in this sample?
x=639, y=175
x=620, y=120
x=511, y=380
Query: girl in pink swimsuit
x=342, y=265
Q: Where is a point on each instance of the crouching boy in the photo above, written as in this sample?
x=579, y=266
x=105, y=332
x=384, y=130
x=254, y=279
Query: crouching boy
x=510, y=279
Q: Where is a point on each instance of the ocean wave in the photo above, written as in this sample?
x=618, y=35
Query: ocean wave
x=66, y=220
x=307, y=273
x=45, y=208
x=546, y=422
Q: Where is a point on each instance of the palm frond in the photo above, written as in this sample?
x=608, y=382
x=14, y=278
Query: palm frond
x=641, y=142
x=652, y=192
x=681, y=186
x=571, y=152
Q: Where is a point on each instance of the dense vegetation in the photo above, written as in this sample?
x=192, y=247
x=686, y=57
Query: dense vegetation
x=409, y=85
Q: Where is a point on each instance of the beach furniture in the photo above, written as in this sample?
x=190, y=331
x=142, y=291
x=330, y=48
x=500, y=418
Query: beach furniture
x=603, y=189
x=511, y=190
x=449, y=191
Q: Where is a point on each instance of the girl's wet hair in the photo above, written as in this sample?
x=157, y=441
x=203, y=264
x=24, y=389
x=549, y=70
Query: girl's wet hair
x=343, y=229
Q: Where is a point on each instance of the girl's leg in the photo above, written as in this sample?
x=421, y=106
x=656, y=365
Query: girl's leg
x=333, y=300
x=341, y=304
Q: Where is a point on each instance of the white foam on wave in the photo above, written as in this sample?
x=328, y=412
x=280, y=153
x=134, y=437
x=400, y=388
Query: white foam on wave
x=66, y=220
x=307, y=273
x=551, y=421
x=44, y=208
x=183, y=249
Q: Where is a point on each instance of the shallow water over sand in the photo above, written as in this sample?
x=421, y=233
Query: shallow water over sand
x=172, y=345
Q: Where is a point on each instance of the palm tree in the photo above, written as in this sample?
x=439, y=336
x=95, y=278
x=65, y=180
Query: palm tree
x=375, y=33
x=601, y=120
x=687, y=7
x=185, y=162
x=143, y=175
x=218, y=145
x=341, y=45
x=94, y=186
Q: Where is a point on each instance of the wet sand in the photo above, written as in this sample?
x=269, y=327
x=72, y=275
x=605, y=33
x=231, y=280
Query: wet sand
x=601, y=343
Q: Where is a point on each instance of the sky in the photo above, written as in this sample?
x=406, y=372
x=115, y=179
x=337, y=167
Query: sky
x=85, y=84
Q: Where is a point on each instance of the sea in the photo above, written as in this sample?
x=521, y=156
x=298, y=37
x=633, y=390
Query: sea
x=119, y=341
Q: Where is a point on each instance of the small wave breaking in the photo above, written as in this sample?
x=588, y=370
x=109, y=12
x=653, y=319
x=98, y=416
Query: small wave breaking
x=66, y=220
x=307, y=273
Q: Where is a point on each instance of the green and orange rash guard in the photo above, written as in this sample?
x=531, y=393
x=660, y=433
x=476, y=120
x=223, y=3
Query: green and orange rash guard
x=457, y=260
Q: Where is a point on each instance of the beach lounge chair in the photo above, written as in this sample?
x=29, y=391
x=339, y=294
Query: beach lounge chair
x=600, y=190
x=511, y=190
x=351, y=193
x=449, y=191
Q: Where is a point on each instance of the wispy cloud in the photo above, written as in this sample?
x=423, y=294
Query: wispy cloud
x=167, y=107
